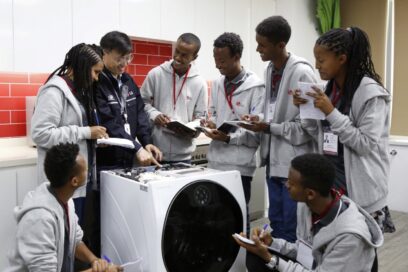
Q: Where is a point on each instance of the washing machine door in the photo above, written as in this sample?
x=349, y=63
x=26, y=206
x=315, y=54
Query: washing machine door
x=198, y=228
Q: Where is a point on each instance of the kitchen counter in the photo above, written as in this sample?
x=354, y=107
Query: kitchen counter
x=16, y=152
x=398, y=140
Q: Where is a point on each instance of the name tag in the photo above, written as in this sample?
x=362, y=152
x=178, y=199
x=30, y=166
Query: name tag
x=304, y=254
x=271, y=110
x=127, y=128
x=330, y=143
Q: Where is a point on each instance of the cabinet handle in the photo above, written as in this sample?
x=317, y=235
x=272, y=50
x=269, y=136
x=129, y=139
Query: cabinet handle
x=393, y=152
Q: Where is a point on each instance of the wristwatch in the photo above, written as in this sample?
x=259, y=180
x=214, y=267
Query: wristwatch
x=273, y=262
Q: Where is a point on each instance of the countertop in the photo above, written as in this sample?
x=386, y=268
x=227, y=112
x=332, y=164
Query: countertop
x=398, y=140
x=16, y=152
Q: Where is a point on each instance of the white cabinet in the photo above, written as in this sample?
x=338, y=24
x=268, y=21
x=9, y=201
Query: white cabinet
x=171, y=24
x=42, y=34
x=6, y=35
x=8, y=198
x=91, y=19
x=141, y=18
x=26, y=181
x=398, y=182
x=15, y=183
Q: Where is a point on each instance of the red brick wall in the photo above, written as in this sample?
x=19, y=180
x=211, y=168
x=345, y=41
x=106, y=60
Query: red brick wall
x=14, y=87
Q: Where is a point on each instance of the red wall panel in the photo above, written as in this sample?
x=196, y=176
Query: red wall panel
x=14, y=87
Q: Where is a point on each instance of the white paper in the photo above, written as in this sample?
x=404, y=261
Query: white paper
x=304, y=254
x=117, y=142
x=244, y=239
x=308, y=110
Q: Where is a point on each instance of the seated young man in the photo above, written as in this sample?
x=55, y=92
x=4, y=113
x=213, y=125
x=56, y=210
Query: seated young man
x=48, y=235
x=333, y=233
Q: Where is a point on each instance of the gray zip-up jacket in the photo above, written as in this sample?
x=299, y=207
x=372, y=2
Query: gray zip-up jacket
x=157, y=93
x=239, y=153
x=57, y=119
x=348, y=243
x=286, y=139
x=364, y=134
x=40, y=233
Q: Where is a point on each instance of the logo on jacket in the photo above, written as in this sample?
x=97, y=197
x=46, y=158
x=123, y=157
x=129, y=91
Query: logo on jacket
x=238, y=103
x=111, y=98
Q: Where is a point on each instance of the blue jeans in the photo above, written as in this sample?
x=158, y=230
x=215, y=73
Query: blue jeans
x=282, y=209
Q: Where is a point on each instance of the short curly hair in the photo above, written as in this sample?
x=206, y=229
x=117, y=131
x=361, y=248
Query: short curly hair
x=317, y=172
x=275, y=28
x=60, y=164
x=232, y=41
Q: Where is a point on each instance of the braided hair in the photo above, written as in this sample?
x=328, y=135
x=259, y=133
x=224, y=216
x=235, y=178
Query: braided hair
x=354, y=43
x=79, y=60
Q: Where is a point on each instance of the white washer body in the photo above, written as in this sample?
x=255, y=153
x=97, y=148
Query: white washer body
x=133, y=214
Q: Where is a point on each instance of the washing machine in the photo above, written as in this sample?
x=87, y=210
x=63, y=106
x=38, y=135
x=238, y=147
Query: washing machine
x=178, y=218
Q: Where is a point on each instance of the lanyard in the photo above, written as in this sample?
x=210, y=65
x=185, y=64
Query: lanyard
x=181, y=88
x=336, y=94
x=122, y=104
x=229, y=96
x=316, y=219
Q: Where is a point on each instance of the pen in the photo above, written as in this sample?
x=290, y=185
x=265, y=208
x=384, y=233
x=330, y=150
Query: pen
x=265, y=227
x=106, y=258
x=252, y=110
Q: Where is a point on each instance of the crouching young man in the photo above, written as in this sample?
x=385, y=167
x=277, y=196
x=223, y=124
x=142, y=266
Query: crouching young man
x=333, y=233
x=48, y=235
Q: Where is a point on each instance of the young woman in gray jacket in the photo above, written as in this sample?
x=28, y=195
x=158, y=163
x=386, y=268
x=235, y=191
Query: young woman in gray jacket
x=64, y=111
x=354, y=135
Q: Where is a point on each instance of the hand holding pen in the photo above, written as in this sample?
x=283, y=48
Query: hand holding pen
x=265, y=234
x=111, y=267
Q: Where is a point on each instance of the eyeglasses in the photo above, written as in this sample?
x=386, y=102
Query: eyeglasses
x=125, y=59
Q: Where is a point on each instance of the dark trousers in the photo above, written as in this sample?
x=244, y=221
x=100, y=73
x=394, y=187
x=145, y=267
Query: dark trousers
x=255, y=263
x=246, y=185
x=92, y=230
x=282, y=210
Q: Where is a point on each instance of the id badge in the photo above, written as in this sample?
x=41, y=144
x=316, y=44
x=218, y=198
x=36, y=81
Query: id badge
x=127, y=128
x=271, y=110
x=330, y=143
x=304, y=254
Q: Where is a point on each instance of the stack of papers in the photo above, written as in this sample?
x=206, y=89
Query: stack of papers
x=308, y=110
x=117, y=142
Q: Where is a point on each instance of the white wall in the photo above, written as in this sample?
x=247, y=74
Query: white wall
x=36, y=34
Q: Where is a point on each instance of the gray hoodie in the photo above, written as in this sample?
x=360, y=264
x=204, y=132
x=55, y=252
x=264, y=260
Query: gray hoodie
x=287, y=139
x=364, y=134
x=157, y=93
x=40, y=233
x=239, y=153
x=348, y=243
x=58, y=119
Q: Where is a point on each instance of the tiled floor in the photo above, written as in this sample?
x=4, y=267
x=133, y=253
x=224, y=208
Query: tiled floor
x=393, y=255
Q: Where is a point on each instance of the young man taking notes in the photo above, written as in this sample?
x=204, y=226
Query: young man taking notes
x=236, y=93
x=333, y=233
x=175, y=91
x=282, y=137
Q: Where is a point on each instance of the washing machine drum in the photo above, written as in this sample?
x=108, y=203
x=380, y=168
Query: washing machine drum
x=198, y=228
